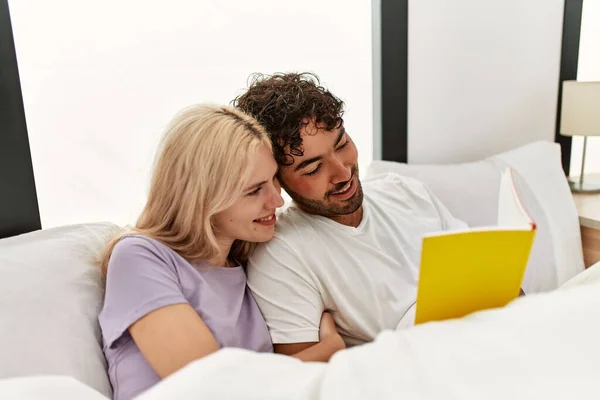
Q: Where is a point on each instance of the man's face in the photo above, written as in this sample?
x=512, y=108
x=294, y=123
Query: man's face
x=324, y=181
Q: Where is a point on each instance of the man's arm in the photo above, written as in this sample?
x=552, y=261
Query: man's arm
x=330, y=343
x=289, y=349
x=321, y=351
x=290, y=303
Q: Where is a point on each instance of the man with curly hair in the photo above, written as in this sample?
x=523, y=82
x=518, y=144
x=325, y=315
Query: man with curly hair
x=348, y=248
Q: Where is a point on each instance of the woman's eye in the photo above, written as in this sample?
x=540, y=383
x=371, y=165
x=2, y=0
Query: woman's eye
x=255, y=192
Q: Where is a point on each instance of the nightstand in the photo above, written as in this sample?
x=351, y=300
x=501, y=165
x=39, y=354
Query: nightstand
x=588, y=207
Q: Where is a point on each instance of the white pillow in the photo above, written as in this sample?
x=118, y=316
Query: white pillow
x=470, y=191
x=463, y=188
x=542, y=178
x=50, y=296
x=47, y=388
x=590, y=276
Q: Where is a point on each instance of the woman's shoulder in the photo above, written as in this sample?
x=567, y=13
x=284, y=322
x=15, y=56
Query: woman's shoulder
x=138, y=241
x=136, y=246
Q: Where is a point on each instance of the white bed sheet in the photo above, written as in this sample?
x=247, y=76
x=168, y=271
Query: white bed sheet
x=47, y=387
x=543, y=346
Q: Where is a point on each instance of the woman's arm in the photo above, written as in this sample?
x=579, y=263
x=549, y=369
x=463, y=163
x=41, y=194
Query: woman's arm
x=171, y=337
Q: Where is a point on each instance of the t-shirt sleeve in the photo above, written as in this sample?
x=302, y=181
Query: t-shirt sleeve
x=449, y=222
x=140, y=279
x=285, y=294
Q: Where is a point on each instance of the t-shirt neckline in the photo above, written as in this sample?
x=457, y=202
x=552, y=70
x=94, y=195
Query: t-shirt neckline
x=336, y=225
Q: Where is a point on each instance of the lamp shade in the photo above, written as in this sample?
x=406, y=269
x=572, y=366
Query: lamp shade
x=580, y=114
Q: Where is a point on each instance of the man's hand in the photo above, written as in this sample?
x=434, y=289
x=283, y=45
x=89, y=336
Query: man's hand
x=327, y=327
x=328, y=332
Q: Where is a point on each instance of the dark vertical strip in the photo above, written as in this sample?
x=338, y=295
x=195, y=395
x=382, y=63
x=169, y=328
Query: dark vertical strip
x=394, y=80
x=19, y=212
x=568, y=68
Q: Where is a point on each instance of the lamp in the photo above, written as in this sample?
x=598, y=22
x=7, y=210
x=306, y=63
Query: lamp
x=580, y=116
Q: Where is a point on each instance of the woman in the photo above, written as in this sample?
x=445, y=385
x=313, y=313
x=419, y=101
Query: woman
x=175, y=285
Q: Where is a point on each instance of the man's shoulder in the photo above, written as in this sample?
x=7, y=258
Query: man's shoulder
x=285, y=251
x=387, y=178
x=292, y=226
x=295, y=233
x=392, y=184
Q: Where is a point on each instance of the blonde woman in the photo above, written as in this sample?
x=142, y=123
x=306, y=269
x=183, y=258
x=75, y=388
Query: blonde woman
x=175, y=284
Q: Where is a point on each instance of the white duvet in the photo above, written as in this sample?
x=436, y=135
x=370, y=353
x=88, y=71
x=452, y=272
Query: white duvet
x=544, y=346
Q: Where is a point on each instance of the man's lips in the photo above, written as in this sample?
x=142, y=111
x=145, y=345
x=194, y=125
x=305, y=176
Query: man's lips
x=346, y=192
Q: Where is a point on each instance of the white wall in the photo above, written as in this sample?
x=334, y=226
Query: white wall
x=588, y=70
x=483, y=76
x=101, y=79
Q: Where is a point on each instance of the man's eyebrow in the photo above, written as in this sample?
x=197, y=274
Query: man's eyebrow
x=340, y=136
x=305, y=163
x=309, y=161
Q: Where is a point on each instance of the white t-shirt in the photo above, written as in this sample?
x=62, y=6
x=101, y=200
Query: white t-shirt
x=365, y=276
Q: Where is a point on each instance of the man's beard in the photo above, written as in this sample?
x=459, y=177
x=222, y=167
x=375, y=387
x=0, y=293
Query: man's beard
x=333, y=209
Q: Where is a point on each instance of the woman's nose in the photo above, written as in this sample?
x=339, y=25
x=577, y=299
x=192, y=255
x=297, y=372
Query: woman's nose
x=276, y=200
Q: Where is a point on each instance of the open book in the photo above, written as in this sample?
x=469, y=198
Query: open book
x=478, y=268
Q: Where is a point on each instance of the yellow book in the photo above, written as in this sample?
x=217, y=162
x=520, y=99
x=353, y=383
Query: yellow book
x=478, y=268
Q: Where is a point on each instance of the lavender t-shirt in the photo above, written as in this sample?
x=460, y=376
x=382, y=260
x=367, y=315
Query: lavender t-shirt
x=144, y=275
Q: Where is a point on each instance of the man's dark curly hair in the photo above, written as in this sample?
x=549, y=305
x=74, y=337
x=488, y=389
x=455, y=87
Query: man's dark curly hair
x=284, y=103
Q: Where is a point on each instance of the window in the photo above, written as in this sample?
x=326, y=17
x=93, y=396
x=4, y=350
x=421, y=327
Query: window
x=101, y=79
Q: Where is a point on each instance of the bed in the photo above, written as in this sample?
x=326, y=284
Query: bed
x=541, y=346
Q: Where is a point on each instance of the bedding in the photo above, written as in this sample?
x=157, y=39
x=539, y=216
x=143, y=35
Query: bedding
x=47, y=387
x=541, y=346
x=50, y=296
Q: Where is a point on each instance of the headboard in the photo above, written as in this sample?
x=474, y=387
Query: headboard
x=19, y=212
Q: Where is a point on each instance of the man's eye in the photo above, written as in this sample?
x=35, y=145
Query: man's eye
x=342, y=146
x=313, y=172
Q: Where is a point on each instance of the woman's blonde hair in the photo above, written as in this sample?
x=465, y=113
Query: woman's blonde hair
x=200, y=170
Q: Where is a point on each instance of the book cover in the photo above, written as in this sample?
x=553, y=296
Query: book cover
x=479, y=268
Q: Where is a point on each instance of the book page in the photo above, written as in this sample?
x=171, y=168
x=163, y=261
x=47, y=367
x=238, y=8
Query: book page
x=510, y=208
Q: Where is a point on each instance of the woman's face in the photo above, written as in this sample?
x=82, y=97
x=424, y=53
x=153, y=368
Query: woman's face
x=252, y=217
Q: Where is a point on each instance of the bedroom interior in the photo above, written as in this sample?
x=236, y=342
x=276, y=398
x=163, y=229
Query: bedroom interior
x=456, y=92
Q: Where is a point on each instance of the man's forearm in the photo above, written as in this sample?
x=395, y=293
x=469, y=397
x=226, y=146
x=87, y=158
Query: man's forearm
x=321, y=351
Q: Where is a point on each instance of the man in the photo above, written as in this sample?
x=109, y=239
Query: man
x=343, y=246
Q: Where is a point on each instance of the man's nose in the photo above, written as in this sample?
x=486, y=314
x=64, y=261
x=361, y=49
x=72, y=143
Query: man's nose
x=340, y=172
